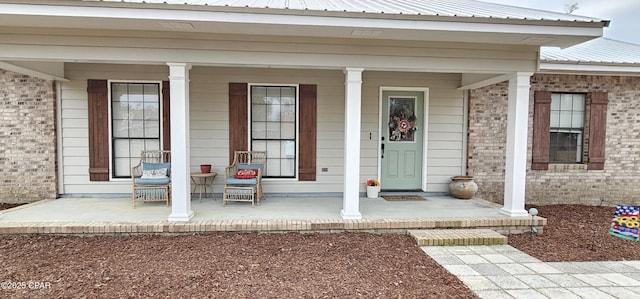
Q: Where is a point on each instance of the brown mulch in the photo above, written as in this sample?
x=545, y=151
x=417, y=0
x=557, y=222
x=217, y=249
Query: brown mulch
x=576, y=233
x=4, y=206
x=291, y=265
x=224, y=265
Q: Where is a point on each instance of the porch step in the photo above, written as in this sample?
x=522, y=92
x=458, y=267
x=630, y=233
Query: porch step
x=454, y=237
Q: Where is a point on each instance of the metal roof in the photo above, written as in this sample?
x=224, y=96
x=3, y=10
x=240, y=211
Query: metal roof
x=446, y=8
x=596, y=51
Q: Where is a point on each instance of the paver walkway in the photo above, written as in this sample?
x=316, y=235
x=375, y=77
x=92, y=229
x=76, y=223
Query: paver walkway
x=501, y=271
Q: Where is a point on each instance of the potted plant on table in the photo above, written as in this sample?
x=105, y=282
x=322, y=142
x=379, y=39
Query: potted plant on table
x=373, y=187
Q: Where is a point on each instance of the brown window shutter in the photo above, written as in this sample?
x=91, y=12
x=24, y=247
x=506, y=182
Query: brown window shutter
x=166, y=116
x=597, y=129
x=238, y=117
x=98, y=101
x=541, y=135
x=307, y=139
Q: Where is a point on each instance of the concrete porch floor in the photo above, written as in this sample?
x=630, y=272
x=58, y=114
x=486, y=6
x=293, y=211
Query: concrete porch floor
x=115, y=215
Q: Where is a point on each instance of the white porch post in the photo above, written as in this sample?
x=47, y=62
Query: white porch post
x=352, y=100
x=516, y=160
x=180, y=163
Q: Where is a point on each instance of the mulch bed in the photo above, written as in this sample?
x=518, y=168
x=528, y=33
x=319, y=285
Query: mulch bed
x=254, y=265
x=224, y=265
x=4, y=206
x=576, y=233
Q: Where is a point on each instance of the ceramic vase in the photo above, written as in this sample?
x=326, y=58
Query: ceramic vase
x=463, y=187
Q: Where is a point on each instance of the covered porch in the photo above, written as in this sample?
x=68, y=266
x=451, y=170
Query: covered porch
x=277, y=213
x=203, y=60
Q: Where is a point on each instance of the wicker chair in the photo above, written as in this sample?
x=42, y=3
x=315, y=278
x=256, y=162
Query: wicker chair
x=244, y=189
x=155, y=187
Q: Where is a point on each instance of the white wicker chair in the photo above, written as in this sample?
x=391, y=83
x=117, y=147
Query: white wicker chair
x=151, y=189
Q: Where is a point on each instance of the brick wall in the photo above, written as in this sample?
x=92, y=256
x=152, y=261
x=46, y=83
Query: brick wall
x=619, y=182
x=27, y=138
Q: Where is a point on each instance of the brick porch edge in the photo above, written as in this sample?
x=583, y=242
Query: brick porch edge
x=504, y=225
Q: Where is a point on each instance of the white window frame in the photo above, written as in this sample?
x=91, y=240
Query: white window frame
x=297, y=133
x=579, y=153
x=111, y=170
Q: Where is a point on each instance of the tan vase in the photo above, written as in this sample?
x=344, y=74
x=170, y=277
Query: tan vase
x=463, y=187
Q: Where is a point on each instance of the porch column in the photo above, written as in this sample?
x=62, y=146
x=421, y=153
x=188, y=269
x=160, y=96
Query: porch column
x=180, y=161
x=352, y=101
x=516, y=160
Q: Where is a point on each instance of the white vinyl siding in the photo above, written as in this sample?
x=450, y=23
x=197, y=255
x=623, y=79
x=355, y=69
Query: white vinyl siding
x=209, y=122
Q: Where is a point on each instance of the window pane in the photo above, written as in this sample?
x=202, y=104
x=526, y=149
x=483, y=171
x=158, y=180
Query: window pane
x=121, y=148
x=565, y=119
x=273, y=168
x=259, y=112
x=565, y=147
x=577, y=119
x=555, y=101
x=566, y=102
x=135, y=93
x=273, y=95
x=273, y=149
x=287, y=167
x=150, y=145
x=120, y=110
x=578, y=102
x=258, y=94
x=122, y=167
x=273, y=130
x=136, y=129
x=152, y=111
x=259, y=130
x=136, y=110
x=288, y=113
x=273, y=112
x=136, y=146
x=288, y=131
x=151, y=129
x=120, y=128
x=555, y=119
x=288, y=95
x=259, y=145
x=288, y=149
x=151, y=93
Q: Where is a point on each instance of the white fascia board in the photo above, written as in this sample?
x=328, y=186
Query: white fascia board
x=588, y=68
x=561, y=29
x=31, y=72
x=262, y=59
x=487, y=82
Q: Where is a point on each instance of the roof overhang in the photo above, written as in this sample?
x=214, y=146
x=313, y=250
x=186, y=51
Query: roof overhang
x=590, y=68
x=264, y=21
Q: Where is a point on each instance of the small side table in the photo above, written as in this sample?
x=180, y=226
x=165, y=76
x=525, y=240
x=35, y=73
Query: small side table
x=202, y=181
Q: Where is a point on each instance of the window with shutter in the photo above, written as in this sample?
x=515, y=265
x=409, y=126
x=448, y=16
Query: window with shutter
x=136, y=113
x=273, y=126
x=559, y=126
